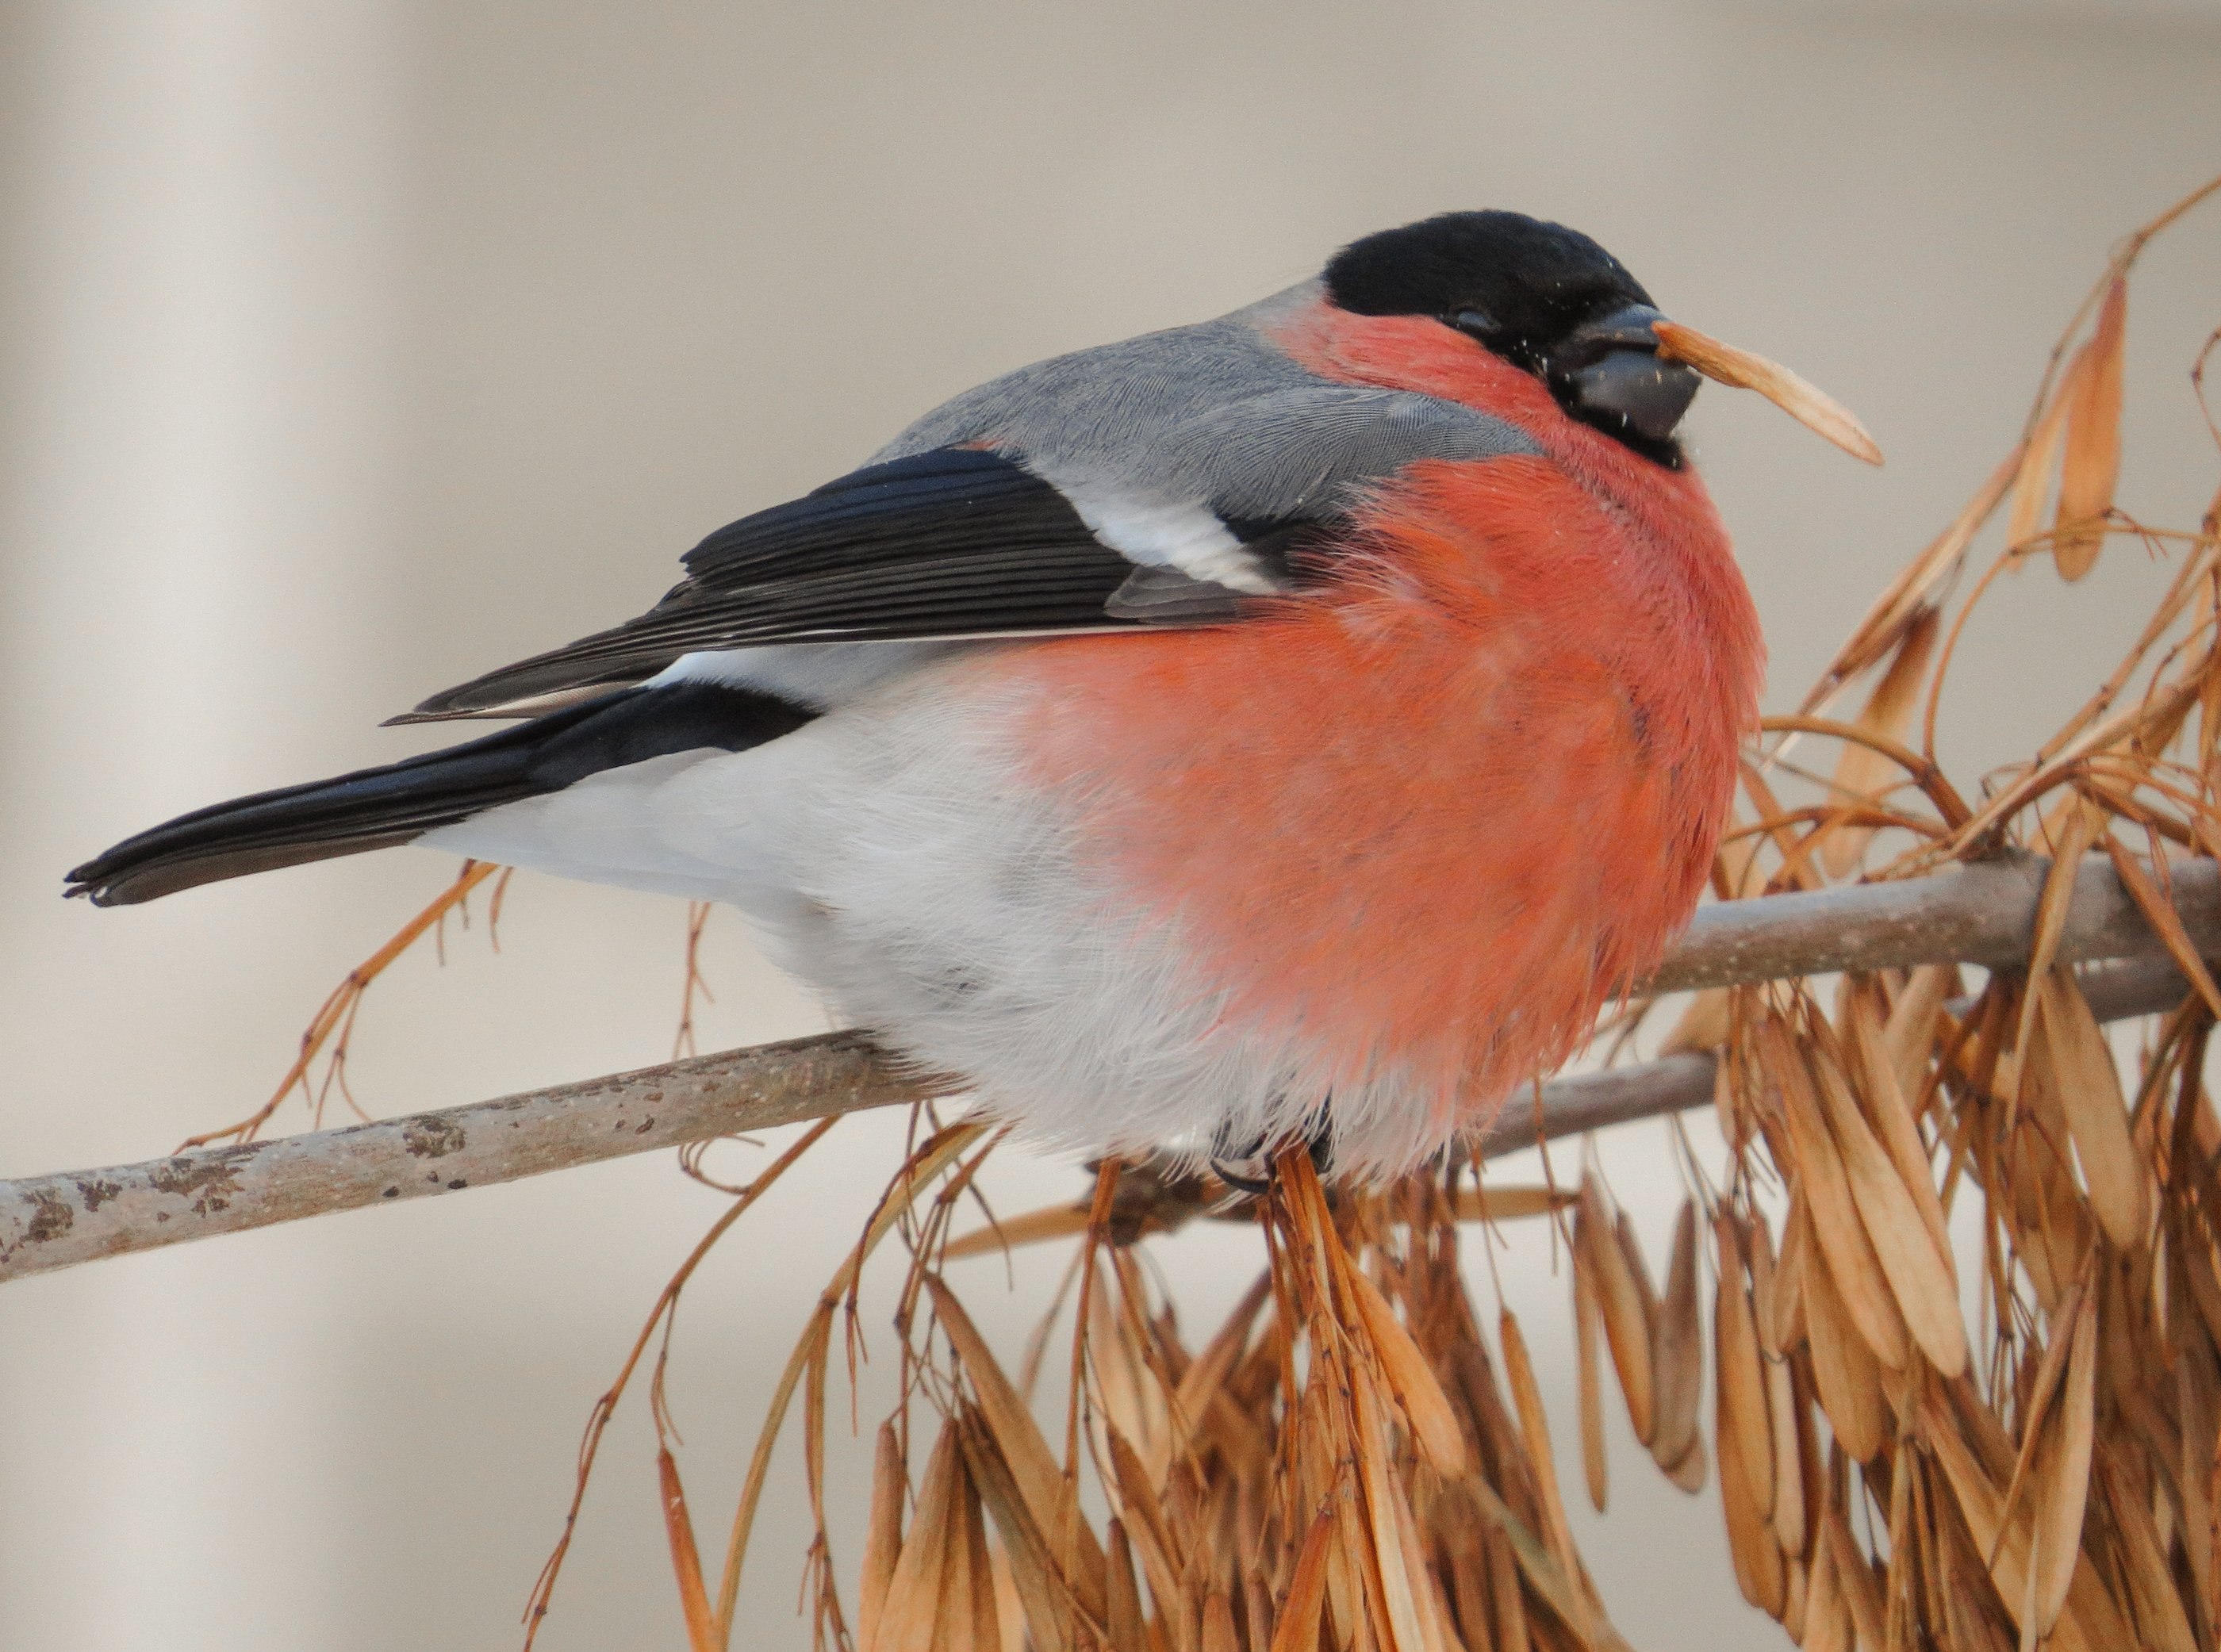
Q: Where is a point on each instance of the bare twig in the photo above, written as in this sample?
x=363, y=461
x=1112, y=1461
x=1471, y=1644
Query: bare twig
x=1979, y=914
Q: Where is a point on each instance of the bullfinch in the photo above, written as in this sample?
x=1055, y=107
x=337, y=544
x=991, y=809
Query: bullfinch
x=1290, y=727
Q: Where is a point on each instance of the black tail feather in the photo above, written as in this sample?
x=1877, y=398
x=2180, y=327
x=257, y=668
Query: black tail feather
x=378, y=808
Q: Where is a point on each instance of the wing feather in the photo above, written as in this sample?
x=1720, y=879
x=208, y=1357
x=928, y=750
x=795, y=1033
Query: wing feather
x=956, y=542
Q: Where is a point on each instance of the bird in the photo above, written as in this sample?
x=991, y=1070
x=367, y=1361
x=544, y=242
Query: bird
x=1290, y=728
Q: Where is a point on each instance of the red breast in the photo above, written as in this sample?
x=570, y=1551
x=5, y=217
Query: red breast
x=1433, y=816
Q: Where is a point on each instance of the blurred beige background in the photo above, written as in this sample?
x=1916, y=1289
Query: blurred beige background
x=348, y=348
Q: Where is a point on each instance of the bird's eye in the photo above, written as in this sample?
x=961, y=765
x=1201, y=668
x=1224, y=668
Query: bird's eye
x=1479, y=322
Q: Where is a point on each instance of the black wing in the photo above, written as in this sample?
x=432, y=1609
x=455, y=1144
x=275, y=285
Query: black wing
x=955, y=542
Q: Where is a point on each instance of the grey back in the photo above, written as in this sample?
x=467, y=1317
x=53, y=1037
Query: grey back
x=1212, y=414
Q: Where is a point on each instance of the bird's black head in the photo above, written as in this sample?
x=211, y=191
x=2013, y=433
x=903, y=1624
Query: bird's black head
x=1544, y=297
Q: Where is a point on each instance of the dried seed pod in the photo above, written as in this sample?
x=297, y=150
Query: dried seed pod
x=1037, y=1574
x=1863, y=774
x=685, y=1557
x=2150, y=1580
x=1781, y=1403
x=1122, y=1614
x=1844, y=1366
x=1920, y=1275
x=2093, y=464
x=971, y=1610
x=2032, y=482
x=1534, y=1432
x=1827, y=1626
x=1627, y=1326
x=2063, y=1476
x=1792, y=1599
x=1854, y=1578
x=1889, y=1109
x=1910, y=1035
x=1504, y=1599
x=1813, y=408
x=2091, y=1621
x=920, y=1585
x=1703, y=1025
x=883, y=1535
x=1759, y=1570
x=1678, y=1357
x=1032, y=1468
x=2071, y=1059
x=1299, y=1626
x=1741, y=1393
x=1513, y=1204
x=1411, y=1378
x=1588, y=1331
x=1852, y=1265
x=1783, y=1328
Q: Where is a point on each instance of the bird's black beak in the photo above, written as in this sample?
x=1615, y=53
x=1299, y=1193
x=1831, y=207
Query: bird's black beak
x=1610, y=368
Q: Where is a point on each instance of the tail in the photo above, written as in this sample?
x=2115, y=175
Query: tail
x=378, y=808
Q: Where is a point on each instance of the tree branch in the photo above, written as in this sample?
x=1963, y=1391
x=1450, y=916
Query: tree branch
x=1978, y=914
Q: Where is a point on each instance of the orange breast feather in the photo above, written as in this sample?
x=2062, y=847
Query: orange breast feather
x=1430, y=819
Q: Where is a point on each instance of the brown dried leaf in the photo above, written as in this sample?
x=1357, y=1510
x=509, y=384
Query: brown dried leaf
x=1863, y=773
x=1034, y=1571
x=2151, y=1583
x=883, y=1533
x=1740, y=1391
x=2092, y=465
x=1920, y=1275
x=1627, y=1327
x=1889, y=1109
x=1783, y=1328
x=920, y=1584
x=1034, y=1227
x=1703, y=1025
x=2064, y=1484
x=1811, y=407
x=1411, y=1378
x=1844, y=1368
x=1854, y=1578
x=970, y=1618
x=1298, y=1629
x=1788, y=1466
x=1827, y=1626
x=1534, y=1432
x=685, y=1557
x=1032, y=1467
x=2087, y=1087
x=1497, y=1204
x=1588, y=1331
x=1386, y=1517
x=1759, y=1570
x=1123, y=1613
x=1677, y=1361
x=2033, y=480
x=1860, y=1285
x=1910, y=1034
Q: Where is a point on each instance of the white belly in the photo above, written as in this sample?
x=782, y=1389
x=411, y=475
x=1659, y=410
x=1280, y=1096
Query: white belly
x=893, y=856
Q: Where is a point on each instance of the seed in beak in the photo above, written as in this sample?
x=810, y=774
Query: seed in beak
x=1807, y=403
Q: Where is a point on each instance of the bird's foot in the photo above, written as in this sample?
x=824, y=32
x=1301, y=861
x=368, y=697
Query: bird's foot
x=1246, y=1166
